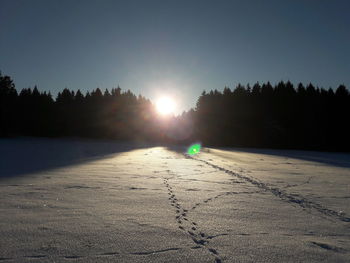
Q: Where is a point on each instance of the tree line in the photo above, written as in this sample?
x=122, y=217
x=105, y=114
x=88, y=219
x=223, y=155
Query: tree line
x=112, y=114
x=262, y=115
x=279, y=116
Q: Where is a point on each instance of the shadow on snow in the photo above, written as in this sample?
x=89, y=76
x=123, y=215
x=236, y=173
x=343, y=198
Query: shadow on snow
x=22, y=156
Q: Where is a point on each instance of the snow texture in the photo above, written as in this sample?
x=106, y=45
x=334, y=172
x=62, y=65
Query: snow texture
x=102, y=201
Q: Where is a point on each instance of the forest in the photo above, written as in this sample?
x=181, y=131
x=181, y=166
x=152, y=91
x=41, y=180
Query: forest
x=263, y=115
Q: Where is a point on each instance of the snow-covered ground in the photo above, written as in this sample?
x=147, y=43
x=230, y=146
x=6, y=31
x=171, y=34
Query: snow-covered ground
x=93, y=201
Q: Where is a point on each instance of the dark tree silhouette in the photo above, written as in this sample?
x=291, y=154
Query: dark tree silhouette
x=278, y=117
x=262, y=115
x=8, y=100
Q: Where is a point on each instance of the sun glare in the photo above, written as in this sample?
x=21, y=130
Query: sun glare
x=165, y=106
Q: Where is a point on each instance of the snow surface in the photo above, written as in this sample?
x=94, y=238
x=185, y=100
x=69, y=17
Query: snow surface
x=101, y=201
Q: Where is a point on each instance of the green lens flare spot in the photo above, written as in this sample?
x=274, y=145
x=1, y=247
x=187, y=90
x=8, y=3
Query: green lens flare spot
x=194, y=149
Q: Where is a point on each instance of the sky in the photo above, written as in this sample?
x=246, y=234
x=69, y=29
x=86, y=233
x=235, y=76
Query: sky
x=174, y=48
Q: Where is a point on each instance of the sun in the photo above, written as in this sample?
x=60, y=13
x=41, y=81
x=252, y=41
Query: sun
x=165, y=106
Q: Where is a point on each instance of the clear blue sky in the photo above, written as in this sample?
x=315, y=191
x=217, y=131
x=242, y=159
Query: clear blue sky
x=173, y=47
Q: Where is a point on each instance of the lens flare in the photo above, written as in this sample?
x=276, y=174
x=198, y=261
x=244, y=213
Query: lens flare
x=194, y=149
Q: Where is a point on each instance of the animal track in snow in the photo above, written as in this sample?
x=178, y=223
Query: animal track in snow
x=190, y=228
x=282, y=194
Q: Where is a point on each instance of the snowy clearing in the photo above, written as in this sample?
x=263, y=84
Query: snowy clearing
x=101, y=201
